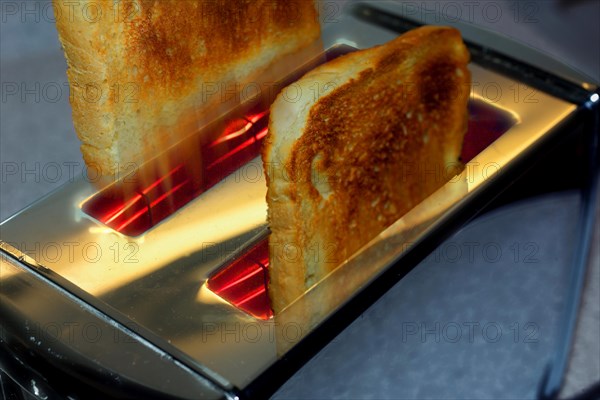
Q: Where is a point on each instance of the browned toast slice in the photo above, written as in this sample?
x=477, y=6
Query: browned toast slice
x=354, y=145
x=146, y=73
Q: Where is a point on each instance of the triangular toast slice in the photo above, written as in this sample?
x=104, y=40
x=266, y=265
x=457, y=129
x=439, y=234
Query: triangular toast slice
x=355, y=144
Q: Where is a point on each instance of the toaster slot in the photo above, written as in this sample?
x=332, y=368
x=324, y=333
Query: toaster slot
x=132, y=206
x=243, y=282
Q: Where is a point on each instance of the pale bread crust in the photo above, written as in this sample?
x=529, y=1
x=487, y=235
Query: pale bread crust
x=141, y=71
x=338, y=161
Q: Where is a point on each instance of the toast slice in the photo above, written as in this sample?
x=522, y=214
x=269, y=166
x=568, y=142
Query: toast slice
x=355, y=144
x=146, y=73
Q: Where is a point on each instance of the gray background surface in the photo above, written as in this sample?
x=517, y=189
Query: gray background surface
x=372, y=358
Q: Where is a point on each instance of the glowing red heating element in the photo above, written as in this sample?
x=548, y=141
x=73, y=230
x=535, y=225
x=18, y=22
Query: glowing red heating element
x=132, y=206
x=243, y=283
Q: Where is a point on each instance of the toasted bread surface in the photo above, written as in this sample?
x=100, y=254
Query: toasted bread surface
x=354, y=145
x=144, y=73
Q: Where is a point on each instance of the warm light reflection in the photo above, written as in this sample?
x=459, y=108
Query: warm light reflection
x=232, y=135
x=6, y=268
x=213, y=218
x=207, y=296
x=100, y=230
